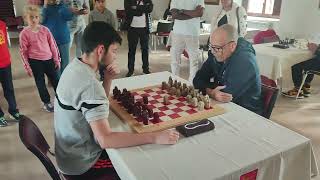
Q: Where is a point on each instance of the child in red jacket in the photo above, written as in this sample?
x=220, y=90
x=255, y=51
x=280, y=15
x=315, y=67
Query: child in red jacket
x=6, y=77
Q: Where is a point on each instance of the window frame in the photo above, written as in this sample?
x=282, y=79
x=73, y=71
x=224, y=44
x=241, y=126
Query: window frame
x=245, y=4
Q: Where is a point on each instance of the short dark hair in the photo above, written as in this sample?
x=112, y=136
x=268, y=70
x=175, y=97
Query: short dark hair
x=97, y=33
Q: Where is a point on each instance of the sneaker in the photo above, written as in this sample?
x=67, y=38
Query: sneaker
x=129, y=74
x=306, y=90
x=3, y=122
x=48, y=107
x=146, y=71
x=293, y=93
x=15, y=116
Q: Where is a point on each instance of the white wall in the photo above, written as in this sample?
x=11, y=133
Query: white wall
x=299, y=18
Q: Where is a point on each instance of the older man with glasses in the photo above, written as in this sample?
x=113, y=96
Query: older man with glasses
x=231, y=74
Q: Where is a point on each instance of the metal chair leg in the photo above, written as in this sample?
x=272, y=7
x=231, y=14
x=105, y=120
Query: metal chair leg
x=303, y=81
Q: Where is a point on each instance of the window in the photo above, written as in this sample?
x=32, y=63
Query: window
x=263, y=8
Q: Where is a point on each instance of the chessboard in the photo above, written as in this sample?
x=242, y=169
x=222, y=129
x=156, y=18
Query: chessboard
x=156, y=108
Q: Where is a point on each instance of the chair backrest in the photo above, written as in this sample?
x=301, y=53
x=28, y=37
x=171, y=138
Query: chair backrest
x=270, y=93
x=33, y=139
x=164, y=27
x=265, y=36
x=274, y=38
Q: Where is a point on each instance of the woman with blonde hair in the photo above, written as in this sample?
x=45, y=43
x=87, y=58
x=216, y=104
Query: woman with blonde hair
x=39, y=53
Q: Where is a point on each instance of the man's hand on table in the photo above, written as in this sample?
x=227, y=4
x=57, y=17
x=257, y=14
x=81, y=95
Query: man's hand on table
x=218, y=95
x=166, y=137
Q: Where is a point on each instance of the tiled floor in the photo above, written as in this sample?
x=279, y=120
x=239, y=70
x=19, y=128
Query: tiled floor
x=16, y=162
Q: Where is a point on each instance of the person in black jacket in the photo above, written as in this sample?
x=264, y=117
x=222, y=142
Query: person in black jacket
x=138, y=20
x=231, y=74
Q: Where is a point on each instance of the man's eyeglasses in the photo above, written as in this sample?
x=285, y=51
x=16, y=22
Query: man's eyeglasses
x=217, y=49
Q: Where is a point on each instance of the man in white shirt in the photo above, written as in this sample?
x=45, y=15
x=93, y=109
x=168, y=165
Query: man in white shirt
x=185, y=34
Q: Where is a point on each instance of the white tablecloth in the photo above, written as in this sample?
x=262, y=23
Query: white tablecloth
x=276, y=63
x=241, y=142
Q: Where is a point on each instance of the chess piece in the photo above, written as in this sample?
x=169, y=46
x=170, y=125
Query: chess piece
x=131, y=99
x=194, y=102
x=130, y=108
x=184, y=85
x=173, y=91
x=207, y=98
x=199, y=97
x=175, y=83
x=207, y=104
x=156, y=118
x=144, y=107
x=136, y=110
x=166, y=99
x=191, y=88
x=179, y=84
x=178, y=93
x=201, y=106
x=189, y=98
x=164, y=85
x=194, y=94
x=202, y=97
x=150, y=112
x=170, y=82
x=145, y=99
x=145, y=117
x=184, y=92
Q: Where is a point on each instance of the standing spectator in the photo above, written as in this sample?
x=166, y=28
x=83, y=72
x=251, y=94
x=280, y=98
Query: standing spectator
x=230, y=12
x=55, y=17
x=138, y=21
x=185, y=34
x=77, y=25
x=101, y=13
x=6, y=77
x=39, y=53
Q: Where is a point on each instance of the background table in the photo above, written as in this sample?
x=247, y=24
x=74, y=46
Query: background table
x=276, y=63
x=241, y=142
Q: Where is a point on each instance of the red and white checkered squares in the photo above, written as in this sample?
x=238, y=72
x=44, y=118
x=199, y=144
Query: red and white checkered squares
x=176, y=108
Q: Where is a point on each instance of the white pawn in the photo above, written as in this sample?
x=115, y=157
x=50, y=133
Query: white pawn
x=207, y=98
x=201, y=106
x=166, y=99
x=207, y=104
x=189, y=98
x=194, y=102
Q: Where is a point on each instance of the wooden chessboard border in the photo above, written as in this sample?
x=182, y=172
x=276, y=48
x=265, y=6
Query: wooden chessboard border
x=140, y=128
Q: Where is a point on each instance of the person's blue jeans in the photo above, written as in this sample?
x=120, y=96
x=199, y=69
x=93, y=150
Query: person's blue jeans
x=65, y=56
